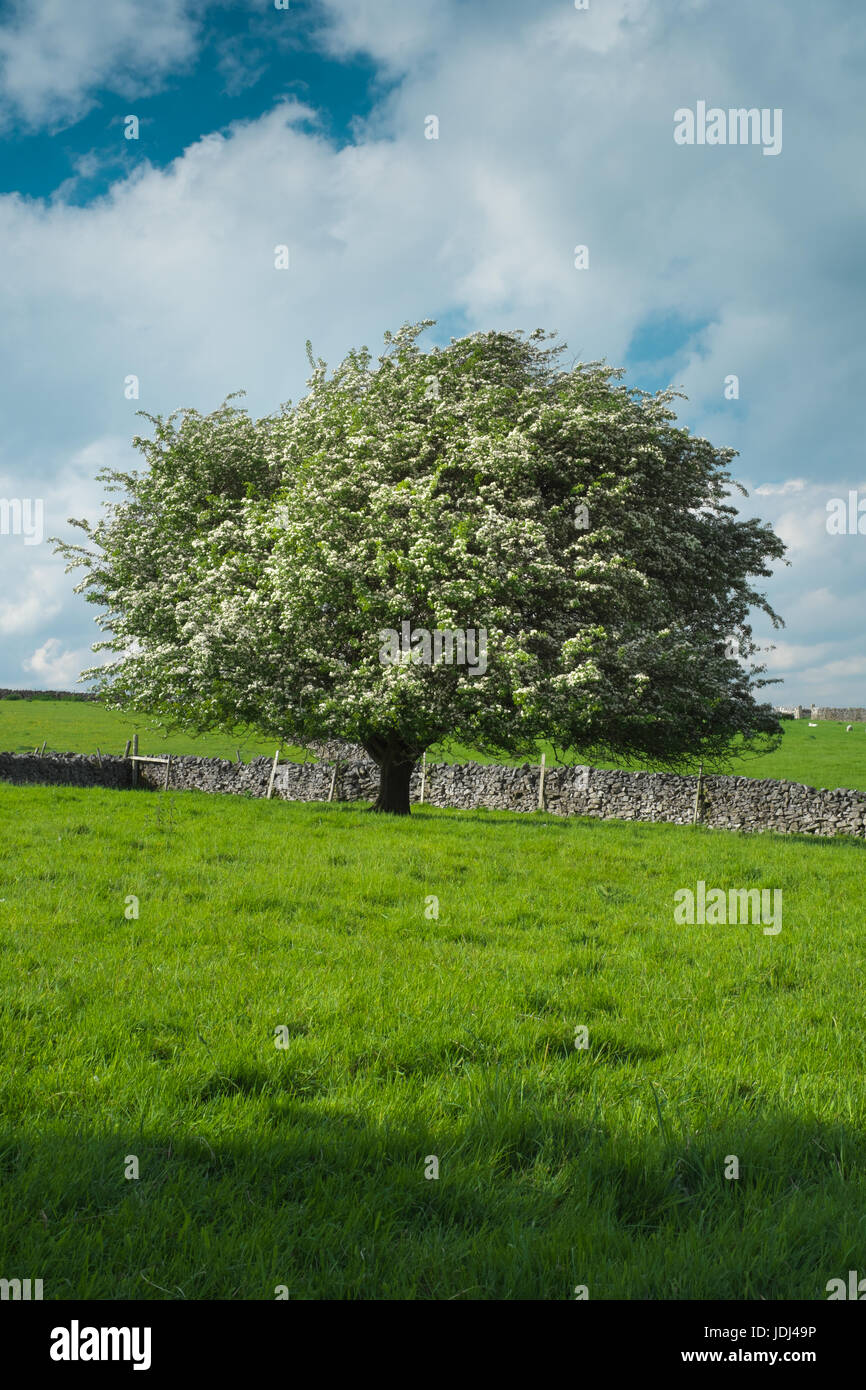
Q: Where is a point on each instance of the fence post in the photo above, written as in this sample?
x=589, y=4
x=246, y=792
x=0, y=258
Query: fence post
x=98, y=755
x=541, y=784
x=333, y=781
x=698, y=794
x=134, y=763
x=44, y=741
x=127, y=748
x=423, y=774
x=167, y=773
x=273, y=775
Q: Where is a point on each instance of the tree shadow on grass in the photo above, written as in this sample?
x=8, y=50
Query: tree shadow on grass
x=256, y=1190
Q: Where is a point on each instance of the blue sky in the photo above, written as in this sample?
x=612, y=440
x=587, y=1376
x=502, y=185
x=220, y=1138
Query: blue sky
x=305, y=126
x=242, y=59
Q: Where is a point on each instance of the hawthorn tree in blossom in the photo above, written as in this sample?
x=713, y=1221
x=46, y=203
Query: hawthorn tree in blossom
x=251, y=573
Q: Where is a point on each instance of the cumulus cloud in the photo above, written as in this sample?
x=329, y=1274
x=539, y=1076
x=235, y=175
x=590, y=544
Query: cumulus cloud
x=53, y=54
x=397, y=35
x=56, y=668
x=35, y=592
x=782, y=489
x=33, y=600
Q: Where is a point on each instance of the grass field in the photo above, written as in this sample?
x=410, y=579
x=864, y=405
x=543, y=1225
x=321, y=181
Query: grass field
x=825, y=756
x=412, y=1036
x=70, y=726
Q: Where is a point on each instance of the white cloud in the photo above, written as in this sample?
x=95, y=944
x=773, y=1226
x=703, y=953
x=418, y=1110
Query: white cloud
x=781, y=490
x=37, y=596
x=393, y=32
x=57, y=668
x=788, y=657
x=404, y=37
x=53, y=54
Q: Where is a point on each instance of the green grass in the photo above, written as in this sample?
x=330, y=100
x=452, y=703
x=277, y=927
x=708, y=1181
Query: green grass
x=69, y=726
x=825, y=756
x=411, y=1037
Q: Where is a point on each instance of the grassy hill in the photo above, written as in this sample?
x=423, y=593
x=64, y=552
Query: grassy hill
x=411, y=1036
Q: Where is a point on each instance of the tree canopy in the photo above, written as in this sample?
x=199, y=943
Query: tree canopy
x=257, y=571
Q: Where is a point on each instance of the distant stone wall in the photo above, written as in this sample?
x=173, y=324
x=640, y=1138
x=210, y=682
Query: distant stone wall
x=828, y=712
x=727, y=803
x=842, y=716
x=46, y=695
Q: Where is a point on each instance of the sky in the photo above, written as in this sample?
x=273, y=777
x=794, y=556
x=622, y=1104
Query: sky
x=307, y=124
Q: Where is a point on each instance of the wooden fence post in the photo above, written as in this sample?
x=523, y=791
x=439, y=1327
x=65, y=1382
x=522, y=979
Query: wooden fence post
x=44, y=741
x=333, y=781
x=98, y=756
x=134, y=763
x=698, y=794
x=541, y=784
x=127, y=748
x=273, y=775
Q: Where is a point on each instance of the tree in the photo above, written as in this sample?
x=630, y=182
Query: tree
x=261, y=572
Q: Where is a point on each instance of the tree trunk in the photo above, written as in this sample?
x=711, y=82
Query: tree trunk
x=395, y=763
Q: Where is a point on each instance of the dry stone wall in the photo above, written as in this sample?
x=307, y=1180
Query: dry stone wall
x=46, y=695
x=730, y=803
x=841, y=716
x=65, y=769
x=852, y=715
